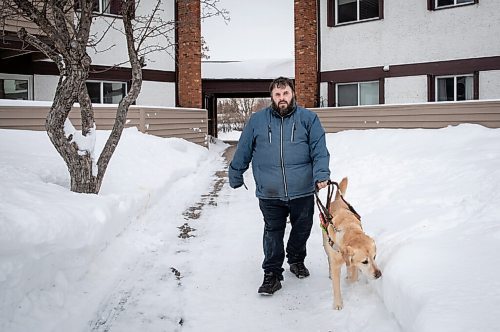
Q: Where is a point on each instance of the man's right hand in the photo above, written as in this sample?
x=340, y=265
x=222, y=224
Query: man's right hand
x=322, y=184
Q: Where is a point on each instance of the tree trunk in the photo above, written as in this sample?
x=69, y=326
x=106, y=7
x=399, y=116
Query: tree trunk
x=71, y=88
x=68, y=35
x=128, y=11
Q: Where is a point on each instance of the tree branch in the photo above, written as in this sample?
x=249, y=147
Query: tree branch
x=44, y=48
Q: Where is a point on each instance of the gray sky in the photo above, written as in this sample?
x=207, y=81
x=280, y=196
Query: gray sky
x=259, y=29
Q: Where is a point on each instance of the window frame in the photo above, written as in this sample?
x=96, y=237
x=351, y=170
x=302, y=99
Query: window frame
x=100, y=7
x=436, y=86
x=19, y=77
x=432, y=4
x=115, y=5
x=332, y=14
x=380, y=92
x=101, y=89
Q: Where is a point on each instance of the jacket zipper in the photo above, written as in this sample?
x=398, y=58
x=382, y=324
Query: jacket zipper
x=282, y=159
x=269, y=131
x=293, y=132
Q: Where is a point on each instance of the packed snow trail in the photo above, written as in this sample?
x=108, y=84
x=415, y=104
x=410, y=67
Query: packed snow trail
x=198, y=269
x=225, y=272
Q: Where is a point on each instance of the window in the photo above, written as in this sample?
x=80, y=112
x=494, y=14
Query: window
x=109, y=6
x=354, y=94
x=106, y=92
x=455, y=88
x=348, y=11
x=438, y=4
x=113, y=7
x=17, y=87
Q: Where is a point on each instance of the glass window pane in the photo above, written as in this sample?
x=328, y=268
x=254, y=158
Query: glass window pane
x=14, y=89
x=368, y=9
x=347, y=95
x=445, y=89
x=113, y=92
x=106, y=6
x=368, y=94
x=464, y=1
x=94, y=89
x=115, y=6
x=347, y=11
x=469, y=88
x=464, y=87
x=441, y=3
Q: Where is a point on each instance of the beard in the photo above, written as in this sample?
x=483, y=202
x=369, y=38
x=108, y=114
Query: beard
x=283, y=110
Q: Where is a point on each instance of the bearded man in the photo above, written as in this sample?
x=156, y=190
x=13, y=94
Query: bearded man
x=286, y=145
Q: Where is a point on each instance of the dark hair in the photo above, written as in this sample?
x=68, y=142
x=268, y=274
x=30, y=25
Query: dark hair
x=281, y=82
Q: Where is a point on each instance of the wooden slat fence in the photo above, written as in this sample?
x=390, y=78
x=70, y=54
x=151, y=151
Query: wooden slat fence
x=191, y=124
x=186, y=123
x=426, y=115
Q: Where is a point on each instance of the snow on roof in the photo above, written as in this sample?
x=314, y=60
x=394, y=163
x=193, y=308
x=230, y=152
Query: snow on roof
x=248, y=69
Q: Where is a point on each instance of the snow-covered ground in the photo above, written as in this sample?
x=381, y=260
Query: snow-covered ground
x=232, y=136
x=114, y=261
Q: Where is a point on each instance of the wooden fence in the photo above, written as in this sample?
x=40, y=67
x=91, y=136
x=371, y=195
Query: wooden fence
x=426, y=115
x=191, y=124
x=187, y=123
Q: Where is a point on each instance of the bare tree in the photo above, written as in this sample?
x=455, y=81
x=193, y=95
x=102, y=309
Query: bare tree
x=233, y=113
x=65, y=38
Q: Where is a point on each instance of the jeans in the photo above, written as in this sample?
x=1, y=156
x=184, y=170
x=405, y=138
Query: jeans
x=275, y=213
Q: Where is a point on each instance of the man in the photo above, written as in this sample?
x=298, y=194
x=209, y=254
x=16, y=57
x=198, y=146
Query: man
x=287, y=148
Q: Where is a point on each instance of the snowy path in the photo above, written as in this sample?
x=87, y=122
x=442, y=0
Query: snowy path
x=225, y=274
x=209, y=282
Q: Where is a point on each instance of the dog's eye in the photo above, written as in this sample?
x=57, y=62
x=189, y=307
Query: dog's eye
x=365, y=262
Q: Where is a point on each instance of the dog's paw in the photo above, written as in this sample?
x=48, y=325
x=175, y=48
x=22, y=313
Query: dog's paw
x=338, y=306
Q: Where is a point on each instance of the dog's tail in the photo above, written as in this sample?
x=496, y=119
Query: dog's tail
x=342, y=188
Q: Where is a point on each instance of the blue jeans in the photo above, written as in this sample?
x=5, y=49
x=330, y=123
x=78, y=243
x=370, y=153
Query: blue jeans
x=275, y=212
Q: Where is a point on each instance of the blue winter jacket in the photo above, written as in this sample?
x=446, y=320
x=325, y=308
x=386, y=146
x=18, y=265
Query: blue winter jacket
x=288, y=154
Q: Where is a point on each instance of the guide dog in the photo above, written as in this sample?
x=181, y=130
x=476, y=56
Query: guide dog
x=346, y=243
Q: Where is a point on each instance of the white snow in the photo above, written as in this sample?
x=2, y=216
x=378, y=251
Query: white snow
x=232, y=136
x=114, y=261
x=248, y=69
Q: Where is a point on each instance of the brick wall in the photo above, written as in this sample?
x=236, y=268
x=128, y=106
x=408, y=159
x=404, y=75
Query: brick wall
x=306, y=52
x=189, y=53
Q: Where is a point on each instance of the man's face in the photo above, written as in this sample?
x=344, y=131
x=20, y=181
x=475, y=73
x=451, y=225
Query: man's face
x=282, y=97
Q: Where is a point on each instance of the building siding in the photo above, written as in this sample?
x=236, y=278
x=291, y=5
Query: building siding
x=111, y=51
x=411, y=34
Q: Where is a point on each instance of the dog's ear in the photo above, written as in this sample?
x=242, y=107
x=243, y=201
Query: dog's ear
x=341, y=189
x=343, y=185
x=347, y=254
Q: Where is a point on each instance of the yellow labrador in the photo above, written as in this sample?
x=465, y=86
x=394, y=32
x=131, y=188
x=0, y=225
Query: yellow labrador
x=345, y=242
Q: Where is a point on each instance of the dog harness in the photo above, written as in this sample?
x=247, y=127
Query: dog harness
x=325, y=216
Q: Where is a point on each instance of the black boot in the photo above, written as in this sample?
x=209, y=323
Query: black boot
x=270, y=284
x=299, y=269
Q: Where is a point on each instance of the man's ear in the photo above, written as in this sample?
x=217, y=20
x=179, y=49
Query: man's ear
x=347, y=254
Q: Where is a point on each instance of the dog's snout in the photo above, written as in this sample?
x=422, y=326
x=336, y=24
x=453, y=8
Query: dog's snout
x=377, y=274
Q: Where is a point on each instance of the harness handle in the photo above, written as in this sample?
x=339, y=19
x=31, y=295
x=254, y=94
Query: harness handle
x=325, y=210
